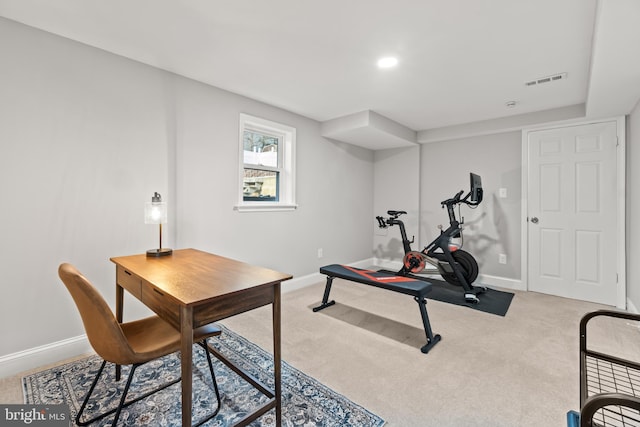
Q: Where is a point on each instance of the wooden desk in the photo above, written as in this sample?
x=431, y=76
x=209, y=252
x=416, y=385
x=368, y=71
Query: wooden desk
x=192, y=288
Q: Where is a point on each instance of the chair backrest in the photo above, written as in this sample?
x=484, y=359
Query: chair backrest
x=102, y=328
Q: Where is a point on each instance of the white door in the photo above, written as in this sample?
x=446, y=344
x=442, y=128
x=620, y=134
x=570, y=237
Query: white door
x=572, y=218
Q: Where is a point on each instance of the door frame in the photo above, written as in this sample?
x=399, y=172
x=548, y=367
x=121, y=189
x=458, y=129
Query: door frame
x=621, y=297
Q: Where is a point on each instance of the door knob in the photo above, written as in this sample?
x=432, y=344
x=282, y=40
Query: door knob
x=534, y=220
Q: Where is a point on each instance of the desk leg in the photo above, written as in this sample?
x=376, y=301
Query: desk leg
x=277, y=364
x=119, y=311
x=186, y=353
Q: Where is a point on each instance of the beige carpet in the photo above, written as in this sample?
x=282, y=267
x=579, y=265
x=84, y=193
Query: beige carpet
x=518, y=370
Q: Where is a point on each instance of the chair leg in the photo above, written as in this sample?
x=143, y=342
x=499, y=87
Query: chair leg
x=123, y=399
x=204, y=346
x=116, y=410
x=86, y=399
x=123, y=403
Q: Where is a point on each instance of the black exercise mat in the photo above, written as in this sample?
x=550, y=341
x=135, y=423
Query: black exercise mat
x=492, y=301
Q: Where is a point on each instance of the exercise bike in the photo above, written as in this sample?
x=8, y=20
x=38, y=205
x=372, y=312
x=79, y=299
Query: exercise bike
x=455, y=265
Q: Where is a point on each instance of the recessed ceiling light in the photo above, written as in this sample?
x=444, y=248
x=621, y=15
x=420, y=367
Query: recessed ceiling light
x=387, y=62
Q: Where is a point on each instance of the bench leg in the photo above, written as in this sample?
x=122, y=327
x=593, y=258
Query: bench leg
x=325, y=299
x=431, y=339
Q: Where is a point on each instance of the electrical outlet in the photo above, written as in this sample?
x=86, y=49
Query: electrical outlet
x=502, y=258
x=502, y=193
x=320, y=254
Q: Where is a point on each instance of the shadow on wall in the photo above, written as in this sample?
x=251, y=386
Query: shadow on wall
x=392, y=250
x=483, y=246
x=477, y=244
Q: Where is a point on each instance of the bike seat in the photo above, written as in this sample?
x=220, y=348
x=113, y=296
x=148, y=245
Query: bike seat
x=396, y=213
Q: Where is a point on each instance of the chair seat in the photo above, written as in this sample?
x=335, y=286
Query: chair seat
x=153, y=337
x=206, y=331
x=149, y=338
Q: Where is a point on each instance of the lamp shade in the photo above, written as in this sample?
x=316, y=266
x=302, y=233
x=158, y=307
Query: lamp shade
x=155, y=211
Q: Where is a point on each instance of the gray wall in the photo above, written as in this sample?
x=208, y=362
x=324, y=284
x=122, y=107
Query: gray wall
x=417, y=179
x=493, y=227
x=83, y=145
x=86, y=137
x=334, y=190
x=397, y=187
x=633, y=207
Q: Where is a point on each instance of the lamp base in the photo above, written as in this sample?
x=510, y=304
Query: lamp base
x=159, y=252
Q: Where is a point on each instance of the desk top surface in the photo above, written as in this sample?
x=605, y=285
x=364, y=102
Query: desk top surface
x=192, y=276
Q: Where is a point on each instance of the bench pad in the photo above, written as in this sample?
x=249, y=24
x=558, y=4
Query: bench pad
x=405, y=285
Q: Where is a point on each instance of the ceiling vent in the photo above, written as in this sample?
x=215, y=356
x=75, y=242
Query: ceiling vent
x=548, y=79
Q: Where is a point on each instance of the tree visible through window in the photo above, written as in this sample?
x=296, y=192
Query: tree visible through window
x=267, y=178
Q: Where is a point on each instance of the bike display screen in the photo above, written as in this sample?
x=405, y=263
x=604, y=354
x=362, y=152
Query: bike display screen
x=476, y=187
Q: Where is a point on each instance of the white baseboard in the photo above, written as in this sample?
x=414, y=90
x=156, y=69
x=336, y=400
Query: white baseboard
x=313, y=278
x=365, y=263
x=32, y=358
x=501, y=282
x=301, y=282
x=387, y=264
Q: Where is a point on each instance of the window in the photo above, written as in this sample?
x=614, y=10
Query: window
x=267, y=178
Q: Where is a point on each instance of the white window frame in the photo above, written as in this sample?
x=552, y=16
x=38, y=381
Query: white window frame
x=286, y=181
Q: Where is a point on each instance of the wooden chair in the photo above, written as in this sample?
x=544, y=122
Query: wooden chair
x=131, y=343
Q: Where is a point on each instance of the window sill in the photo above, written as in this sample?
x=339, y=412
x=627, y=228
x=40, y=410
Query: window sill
x=265, y=207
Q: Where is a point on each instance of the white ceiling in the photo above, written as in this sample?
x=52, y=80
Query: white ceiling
x=460, y=61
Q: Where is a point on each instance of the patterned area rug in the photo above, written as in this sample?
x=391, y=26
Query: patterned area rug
x=305, y=402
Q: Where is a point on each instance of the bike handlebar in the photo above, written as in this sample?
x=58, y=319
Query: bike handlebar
x=455, y=199
x=392, y=220
x=449, y=203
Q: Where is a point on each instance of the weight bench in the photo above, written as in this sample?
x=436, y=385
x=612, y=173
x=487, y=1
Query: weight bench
x=405, y=285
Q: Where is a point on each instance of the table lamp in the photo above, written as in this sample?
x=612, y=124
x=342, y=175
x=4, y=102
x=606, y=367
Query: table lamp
x=155, y=212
